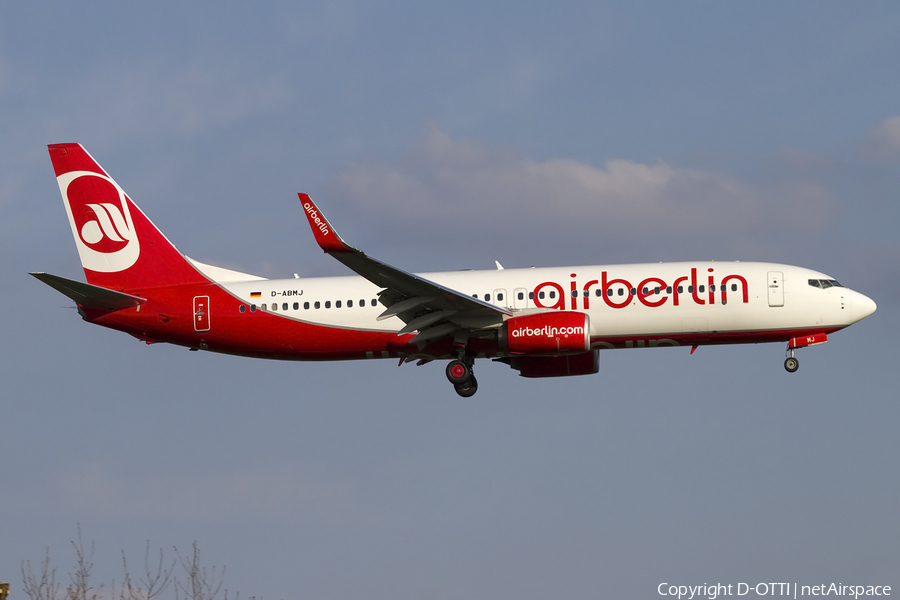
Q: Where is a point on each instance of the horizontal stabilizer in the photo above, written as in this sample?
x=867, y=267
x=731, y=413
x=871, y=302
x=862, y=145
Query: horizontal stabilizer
x=90, y=296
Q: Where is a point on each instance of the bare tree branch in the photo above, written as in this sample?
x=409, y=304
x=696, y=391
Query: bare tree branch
x=154, y=581
x=198, y=582
x=41, y=585
x=79, y=587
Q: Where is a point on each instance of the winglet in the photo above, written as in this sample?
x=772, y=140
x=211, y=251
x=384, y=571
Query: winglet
x=327, y=238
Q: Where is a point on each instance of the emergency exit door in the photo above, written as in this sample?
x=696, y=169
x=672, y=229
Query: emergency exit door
x=776, y=288
x=201, y=313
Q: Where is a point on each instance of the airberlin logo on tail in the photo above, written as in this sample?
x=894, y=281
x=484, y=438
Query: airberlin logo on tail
x=101, y=222
x=314, y=217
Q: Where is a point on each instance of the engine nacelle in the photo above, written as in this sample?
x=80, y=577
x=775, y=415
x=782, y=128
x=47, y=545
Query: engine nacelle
x=547, y=334
x=586, y=363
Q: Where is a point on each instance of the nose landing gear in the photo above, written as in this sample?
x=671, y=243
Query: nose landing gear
x=791, y=364
x=459, y=373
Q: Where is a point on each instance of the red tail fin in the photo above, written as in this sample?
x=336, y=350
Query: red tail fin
x=120, y=248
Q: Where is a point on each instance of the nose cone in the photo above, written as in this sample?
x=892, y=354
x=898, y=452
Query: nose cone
x=861, y=306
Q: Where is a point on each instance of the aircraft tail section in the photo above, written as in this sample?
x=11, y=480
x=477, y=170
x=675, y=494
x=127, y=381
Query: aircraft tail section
x=120, y=248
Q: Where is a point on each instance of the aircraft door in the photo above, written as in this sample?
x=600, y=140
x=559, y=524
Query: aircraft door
x=201, y=313
x=520, y=298
x=775, y=284
x=500, y=298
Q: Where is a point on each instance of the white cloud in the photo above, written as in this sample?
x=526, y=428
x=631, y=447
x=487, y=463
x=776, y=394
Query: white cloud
x=884, y=140
x=446, y=185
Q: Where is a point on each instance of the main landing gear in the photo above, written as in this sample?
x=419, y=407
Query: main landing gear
x=459, y=373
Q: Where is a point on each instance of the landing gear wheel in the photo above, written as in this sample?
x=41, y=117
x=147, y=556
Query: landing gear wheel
x=791, y=364
x=458, y=372
x=468, y=388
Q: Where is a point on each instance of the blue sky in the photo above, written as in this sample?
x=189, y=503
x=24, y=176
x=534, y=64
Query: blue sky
x=447, y=136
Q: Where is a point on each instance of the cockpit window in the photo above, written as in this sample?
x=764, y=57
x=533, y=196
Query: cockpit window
x=824, y=283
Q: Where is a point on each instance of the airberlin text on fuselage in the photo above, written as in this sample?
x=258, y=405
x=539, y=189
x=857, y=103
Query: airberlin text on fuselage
x=652, y=292
x=314, y=215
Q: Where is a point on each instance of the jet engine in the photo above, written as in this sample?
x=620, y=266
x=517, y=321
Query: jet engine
x=547, y=334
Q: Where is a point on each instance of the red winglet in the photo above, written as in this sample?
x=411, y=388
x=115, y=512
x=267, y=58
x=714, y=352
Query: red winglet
x=327, y=238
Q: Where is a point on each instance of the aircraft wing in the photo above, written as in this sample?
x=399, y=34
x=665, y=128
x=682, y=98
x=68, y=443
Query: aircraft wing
x=433, y=310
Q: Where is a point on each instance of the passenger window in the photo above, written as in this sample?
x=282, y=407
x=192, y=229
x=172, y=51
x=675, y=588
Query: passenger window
x=598, y=292
x=669, y=289
x=284, y=306
x=252, y=308
x=337, y=304
x=317, y=305
x=645, y=291
x=520, y=296
x=680, y=289
x=632, y=291
x=243, y=308
x=475, y=296
x=621, y=291
x=263, y=307
x=552, y=294
x=306, y=306
x=349, y=303
x=487, y=297
x=328, y=304
x=609, y=292
x=574, y=293
x=690, y=289
x=531, y=295
x=712, y=288
x=499, y=297
x=656, y=290
x=362, y=303
x=374, y=302
x=733, y=287
x=587, y=294
x=541, y=295
x=702, y=288
x=296, y=306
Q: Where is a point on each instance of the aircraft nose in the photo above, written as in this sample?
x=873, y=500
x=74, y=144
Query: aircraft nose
x=861, y=306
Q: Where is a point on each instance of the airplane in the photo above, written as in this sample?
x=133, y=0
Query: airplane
x=542, y=322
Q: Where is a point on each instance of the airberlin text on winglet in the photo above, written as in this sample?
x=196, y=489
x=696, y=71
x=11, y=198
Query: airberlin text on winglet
x=327, y=238
x=314, y=217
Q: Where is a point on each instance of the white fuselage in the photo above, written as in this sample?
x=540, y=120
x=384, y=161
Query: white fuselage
x=628, y=301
